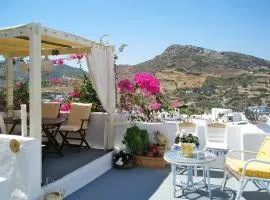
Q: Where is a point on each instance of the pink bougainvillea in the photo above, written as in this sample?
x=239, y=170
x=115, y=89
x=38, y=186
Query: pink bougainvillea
x=60, y=61
x=58, y=100
x=56, y=79
x=18, y=84
x=155, y=105
x=76, y=56
x=125, y=86
x=141, y=97
x=147, y=82
x=175, y=104
x=54, y=61
x=65, y=107
x=74, y=93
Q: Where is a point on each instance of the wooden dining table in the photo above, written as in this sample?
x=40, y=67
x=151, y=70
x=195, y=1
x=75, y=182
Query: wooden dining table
x=50, y=127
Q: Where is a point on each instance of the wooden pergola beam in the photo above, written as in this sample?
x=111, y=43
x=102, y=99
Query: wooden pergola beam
x=45, y=42
x=47, y=52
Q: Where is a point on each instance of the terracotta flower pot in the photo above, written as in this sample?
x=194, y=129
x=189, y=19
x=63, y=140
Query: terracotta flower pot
x=161, y=149
x=187, y=149
x=150, y=153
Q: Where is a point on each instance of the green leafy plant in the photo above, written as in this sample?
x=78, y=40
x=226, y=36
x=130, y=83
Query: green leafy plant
x=187, y=138
x=145, y=140
x=86, y=93
x=135, y=139
x=3, y=101
x=20, y=94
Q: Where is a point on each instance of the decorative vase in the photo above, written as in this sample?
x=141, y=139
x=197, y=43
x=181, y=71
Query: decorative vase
x=161, y=149
x=129, y=165
x=187, y=149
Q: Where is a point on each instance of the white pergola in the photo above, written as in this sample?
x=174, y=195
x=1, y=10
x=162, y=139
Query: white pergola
x=34, y=40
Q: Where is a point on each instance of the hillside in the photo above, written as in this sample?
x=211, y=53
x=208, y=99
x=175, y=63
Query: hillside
x=197, y=59
x=57, y=70
x=65, y=72
x=206, y=78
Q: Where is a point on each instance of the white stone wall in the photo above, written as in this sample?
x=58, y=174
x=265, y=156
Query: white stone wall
x=96, y=129
x=22, y=170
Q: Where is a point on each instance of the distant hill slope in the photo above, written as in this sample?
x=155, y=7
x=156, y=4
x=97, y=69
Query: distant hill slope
x=57, y=70
x=189, y=58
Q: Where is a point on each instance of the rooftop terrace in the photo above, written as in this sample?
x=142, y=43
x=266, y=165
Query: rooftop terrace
x=156, y=184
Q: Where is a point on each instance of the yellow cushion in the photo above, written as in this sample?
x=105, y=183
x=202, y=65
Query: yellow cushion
x=264, y=152
x=253, y=170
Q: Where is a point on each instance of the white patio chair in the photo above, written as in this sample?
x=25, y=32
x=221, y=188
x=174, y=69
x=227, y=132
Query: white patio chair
x=216, y=137
x=188, y=127
x=256, y=170
x=216, y=141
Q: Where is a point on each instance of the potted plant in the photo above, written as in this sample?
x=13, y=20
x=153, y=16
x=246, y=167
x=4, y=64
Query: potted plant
x=152, y=150
x=136, y=140
x=21, y=96
x=187, y=143
x=123, y=160
x=161, y=142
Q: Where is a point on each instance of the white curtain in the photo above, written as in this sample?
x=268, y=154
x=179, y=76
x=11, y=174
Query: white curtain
x=101, y=68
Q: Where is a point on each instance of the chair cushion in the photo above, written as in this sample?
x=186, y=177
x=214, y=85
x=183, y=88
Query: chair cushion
x=264, y=152
x=78, y=112
x=69, y=128
x=259, y=170
x=213, y=145
x=50, y=109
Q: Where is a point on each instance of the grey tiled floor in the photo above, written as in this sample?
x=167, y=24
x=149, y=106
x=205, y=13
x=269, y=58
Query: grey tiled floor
x=56, y=167
x=156, y=184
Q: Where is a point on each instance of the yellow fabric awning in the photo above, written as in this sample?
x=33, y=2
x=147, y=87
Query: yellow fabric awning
x=14, y=41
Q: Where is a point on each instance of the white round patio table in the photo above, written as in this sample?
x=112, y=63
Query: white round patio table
x=176, y=158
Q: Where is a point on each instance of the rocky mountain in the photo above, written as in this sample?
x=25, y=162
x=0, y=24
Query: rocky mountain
x=206, y=78
x=187, y=58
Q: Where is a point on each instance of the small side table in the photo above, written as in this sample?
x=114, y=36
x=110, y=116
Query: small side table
x=176, y=158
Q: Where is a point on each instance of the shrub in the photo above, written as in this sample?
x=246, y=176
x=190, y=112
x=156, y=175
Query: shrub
x=135, y=139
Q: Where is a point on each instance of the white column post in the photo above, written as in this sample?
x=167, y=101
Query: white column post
x=9, y=78
x=24, y=120
x=35, y=81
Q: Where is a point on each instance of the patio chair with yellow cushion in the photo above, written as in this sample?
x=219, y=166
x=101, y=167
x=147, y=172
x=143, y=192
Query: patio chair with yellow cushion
x=256, y=170
x=77, y=123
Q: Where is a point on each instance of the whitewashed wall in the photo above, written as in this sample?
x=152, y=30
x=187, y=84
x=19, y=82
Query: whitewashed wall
x=22, y=169
x=239, y=136
x=4, y=188
x=96, y=131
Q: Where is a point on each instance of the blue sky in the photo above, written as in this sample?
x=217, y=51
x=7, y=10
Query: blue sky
x=148, y=27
